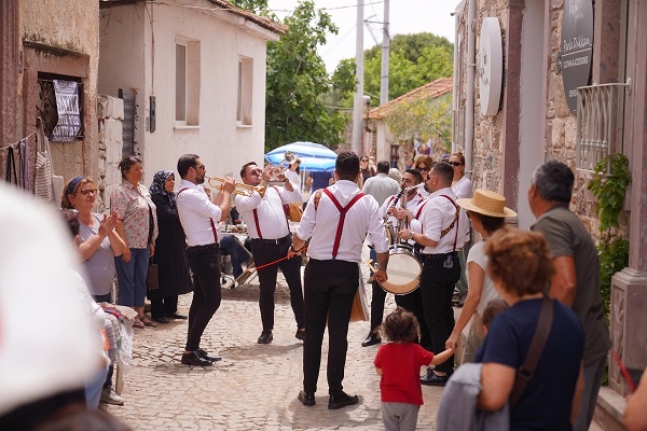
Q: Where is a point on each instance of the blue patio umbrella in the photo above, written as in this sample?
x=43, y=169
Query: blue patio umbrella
x=314, y=157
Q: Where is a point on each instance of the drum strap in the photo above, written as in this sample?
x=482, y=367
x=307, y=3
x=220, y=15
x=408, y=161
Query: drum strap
x=342, y=217
x=454, y=222
x=213, y=225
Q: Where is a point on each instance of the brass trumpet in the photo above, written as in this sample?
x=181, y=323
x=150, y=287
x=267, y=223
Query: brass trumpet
x=241, y=188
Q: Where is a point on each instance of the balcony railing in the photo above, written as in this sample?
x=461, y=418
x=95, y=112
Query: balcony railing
x=599, y=123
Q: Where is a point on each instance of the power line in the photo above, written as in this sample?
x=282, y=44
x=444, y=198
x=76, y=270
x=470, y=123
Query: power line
x=332, y=7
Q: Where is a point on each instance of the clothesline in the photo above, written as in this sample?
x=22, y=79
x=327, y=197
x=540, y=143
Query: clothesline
x=17, y=142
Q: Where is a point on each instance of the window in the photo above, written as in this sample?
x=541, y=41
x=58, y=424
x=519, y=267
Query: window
x=244, y=96
x=187, y=82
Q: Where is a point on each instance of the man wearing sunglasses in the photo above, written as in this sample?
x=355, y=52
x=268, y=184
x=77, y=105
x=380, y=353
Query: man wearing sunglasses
x=268, y=227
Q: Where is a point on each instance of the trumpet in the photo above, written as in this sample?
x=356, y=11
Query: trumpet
x=289, y=157
x=241, y=188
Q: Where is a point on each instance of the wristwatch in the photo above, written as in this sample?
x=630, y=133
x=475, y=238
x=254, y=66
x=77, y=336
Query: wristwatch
x=411, y=235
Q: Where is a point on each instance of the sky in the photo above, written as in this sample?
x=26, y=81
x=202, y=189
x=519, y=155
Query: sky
x=406, y=17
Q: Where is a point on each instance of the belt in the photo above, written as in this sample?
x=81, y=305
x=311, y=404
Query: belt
x=204, y=247
x=276, y=241
x=426, y=256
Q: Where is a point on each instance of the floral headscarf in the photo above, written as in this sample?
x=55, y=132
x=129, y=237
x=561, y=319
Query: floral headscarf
x=157, y=186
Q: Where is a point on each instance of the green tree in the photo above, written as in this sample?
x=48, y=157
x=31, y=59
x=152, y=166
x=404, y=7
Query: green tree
x=414, y=60
x=423, y=119
x=297, y=83
x=255, y=6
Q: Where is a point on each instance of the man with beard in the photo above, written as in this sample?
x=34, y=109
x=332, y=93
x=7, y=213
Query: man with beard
x=268, y=227
x=199, y=216
x=390, y=209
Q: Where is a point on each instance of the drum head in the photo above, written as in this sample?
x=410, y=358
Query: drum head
x=403, y=272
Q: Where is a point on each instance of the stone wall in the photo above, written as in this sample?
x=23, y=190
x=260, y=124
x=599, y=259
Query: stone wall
x=110, y=111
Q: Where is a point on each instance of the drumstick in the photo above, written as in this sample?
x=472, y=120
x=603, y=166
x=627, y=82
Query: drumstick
x=624, y=371
x=265, y=265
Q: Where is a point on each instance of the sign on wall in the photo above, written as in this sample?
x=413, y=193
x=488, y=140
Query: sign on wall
x=69, y=115
x=577, y=48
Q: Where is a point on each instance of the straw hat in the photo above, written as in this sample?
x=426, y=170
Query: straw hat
x=487, y=203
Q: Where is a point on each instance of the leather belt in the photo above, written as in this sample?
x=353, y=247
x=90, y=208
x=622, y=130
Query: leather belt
x=276, y=241
x=214, y=245
x=438, y=255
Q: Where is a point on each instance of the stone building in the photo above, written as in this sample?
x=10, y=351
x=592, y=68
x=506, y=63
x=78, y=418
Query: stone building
x=423, y=113
x=519, y=68
x=42, y=41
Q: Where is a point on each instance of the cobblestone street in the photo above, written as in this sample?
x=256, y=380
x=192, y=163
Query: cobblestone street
x=254, y=387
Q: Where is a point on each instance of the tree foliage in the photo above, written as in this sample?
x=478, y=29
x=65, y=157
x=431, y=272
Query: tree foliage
x=423, y=119
x=414, y=60
x=297, y=82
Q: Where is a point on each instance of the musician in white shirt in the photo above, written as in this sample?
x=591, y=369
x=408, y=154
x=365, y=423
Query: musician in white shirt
x=199, y=218
x=268, y=227
x=462, y=187
x=444, y=227
x=389, y=210
x=337, y=220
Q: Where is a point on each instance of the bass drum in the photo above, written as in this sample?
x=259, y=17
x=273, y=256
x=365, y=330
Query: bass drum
x=403, y=272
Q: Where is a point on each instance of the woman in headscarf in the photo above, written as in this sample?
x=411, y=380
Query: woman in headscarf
x=170, y=254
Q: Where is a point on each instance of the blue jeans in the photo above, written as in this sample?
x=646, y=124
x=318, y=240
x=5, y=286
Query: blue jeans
x=132, y=277
x=93, y=388
x=236, y=252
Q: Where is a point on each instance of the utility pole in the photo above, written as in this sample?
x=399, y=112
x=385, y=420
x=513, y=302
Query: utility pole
x=384, y=86
x=358, y=106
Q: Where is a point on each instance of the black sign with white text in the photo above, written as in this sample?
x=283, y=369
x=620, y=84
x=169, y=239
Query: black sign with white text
x=577, y=47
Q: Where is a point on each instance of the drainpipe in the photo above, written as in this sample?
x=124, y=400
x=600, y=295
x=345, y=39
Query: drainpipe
x=456, y=77
x=471, y=72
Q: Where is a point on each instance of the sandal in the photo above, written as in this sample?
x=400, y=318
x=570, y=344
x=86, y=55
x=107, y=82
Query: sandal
x=148, y=322
x=138, y=324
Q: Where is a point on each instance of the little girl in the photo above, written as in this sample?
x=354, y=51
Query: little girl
x=399, y=362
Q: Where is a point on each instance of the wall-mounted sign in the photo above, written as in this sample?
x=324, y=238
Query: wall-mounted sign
x=490, y=66
x=577, y=47
x=69, y=115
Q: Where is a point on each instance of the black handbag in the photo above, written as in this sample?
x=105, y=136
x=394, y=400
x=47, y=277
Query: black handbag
x=152, y=278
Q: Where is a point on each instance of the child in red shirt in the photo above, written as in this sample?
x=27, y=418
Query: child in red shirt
x=399, y=362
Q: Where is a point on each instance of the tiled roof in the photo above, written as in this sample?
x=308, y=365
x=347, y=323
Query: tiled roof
x=258, y=20
x=431, y=90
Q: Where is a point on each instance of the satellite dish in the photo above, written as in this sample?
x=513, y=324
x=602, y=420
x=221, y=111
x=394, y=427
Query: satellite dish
x=490, y=66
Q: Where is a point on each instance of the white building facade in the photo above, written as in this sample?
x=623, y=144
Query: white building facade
x=192, y=76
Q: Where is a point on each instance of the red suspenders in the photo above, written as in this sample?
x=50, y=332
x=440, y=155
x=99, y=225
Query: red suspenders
x=213, y=225
x=342, y=217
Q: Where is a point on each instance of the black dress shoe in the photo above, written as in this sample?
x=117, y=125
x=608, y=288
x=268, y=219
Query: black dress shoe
x=161, y=319
x=433, y=379
x=177, y=315
x=342, y=399
x=300, y=335
x=203, y=354
x=266, y=337
x=307, y=398
x=371, y=340
x=194, y=358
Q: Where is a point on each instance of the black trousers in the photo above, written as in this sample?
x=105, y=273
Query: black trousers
x=204, y=262
x=377, y=305
x=166, y=306
x=330, y=287
x=437, y=286
x=266, y=251
x=413, y=302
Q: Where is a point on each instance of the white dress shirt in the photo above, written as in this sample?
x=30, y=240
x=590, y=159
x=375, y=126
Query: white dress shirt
x=411, y=204
x=437, y=215
x=195, y=210
x=463, y=188
x=362, y=218
x=381, y=187
x=270, y=215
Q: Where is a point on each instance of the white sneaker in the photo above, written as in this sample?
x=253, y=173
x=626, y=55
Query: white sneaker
x=109, y=396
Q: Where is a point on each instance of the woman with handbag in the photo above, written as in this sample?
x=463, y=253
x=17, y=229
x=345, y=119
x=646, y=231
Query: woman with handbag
x=99, y=244
x=538, y=335
x=138, y=228
x=173, y=270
